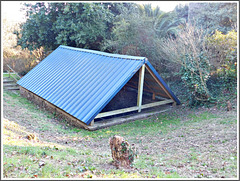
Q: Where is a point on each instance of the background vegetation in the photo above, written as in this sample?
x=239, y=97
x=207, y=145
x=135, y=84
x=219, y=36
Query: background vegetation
x=194, y=48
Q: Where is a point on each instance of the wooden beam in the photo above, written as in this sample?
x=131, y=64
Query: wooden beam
x=121, y=120
x=145, y=83
x=153, y=75
x=140, y=87
x=119, y=111
x=148, y=86
x=153, y=96
x=157, y=103
x=133, y=86
x=92, y=123
x=135, y=108
x=157, y=93
x=13, y=71
x=150, y=80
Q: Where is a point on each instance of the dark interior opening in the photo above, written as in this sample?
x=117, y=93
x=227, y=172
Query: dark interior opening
x=127, y=96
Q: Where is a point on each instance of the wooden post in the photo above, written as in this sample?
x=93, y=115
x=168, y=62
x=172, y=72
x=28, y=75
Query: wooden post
x=140, y=87
x=174, y=104
x=92, y=123
x=159, y=83
x=153, y=96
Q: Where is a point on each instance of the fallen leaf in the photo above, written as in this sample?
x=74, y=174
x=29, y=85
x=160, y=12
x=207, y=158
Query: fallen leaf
x=41, y=163
x=180, y=166
x=167, y=172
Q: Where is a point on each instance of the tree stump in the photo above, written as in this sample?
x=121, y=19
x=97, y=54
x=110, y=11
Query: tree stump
x=122, y=153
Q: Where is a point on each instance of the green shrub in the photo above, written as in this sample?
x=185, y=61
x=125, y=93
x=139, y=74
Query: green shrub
x=195, y=74
x=222, y=51
x=187, y=50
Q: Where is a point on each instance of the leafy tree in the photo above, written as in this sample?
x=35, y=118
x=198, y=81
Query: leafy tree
x=38, y=31
x=133, y=34
x=137, y=32
x=181, y=11
x=164, y=24
x=168, y=25
x=149, y=11
x=74, y=24
x=116, y=9
x=213, y=16
x=82, y=25
x=9, y=39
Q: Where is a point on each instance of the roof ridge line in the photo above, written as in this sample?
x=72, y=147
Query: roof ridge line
x=129, y=57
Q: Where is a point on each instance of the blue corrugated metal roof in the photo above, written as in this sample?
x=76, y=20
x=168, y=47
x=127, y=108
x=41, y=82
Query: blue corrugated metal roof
x=81, y=82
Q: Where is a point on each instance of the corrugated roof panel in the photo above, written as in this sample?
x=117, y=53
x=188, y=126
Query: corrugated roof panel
x=80, y=82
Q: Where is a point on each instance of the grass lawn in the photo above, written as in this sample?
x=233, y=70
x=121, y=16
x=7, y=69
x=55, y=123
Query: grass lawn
x=183, y=143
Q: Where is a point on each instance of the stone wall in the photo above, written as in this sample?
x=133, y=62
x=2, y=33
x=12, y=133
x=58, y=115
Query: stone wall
x=45, y=105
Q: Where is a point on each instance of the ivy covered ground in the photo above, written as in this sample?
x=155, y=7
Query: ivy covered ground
x=183, y=143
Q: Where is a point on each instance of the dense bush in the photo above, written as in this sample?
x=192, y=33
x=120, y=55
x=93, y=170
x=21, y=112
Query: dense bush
x=222, y=50
x=137, y=32
x=211, y=16
x=188, y=51
x=200, y=57
x=20, y=60
x=83, y=25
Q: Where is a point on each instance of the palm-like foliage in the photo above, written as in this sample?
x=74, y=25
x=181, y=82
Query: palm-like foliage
x=167, y=25
x=148, y=11
x=164, y=24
